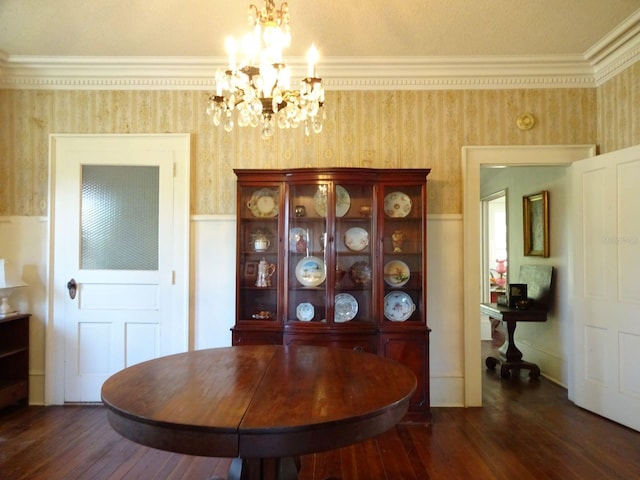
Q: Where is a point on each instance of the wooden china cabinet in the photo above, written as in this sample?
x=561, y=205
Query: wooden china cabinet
x=336, y=257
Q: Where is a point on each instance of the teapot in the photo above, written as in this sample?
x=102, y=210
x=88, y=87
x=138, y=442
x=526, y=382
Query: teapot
x=261, y=243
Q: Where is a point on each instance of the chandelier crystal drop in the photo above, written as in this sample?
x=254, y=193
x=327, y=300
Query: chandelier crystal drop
x=258, y=91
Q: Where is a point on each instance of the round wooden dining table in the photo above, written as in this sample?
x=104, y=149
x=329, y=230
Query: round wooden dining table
x=262, y=405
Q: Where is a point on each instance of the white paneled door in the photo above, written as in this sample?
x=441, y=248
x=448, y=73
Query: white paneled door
x=606, y=300
x=119, y=270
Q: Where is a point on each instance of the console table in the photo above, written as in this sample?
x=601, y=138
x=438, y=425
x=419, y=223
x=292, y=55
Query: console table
x=511, y=317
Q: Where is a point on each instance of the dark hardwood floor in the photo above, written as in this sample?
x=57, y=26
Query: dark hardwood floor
x=526, y=430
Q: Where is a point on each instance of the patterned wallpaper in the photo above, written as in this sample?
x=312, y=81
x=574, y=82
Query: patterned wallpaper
x=619, y=111
x=383, y=129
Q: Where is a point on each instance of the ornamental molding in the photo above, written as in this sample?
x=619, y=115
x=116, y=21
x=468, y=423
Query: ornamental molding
x=614, y=53
x=345, y=73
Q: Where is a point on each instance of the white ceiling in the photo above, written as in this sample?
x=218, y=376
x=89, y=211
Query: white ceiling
x=351, y=28
x=400, y=38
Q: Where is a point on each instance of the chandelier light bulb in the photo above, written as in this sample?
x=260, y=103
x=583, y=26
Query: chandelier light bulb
x=232, y=48
x=312, y=59
x=259, y=87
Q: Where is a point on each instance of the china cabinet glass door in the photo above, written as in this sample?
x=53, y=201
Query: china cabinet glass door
x=307, y=254
x=354, y=255
x=403, y=252
x=330, y=254
x=258, y=268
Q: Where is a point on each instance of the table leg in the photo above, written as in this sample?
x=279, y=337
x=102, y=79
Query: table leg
x=513, y=357
x=513, y=354
x=285, y=468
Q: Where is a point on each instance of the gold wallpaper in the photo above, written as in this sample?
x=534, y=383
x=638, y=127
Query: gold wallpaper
x=619, y=111
x=382, y=129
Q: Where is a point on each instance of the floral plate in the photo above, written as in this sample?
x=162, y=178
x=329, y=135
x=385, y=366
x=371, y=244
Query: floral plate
x=398, y=306
x=264, y=203
x=397, y=205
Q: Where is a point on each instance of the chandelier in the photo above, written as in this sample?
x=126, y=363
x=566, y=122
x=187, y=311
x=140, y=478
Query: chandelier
x=257, y=91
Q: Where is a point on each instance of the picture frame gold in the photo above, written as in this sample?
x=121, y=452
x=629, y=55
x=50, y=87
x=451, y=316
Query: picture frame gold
x=535, y=216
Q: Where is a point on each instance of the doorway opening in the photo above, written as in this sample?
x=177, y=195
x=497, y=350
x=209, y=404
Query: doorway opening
x=494, y=255
x=473, y=157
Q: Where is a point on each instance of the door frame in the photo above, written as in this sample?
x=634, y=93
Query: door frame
x=473, y=157
x=54, y=357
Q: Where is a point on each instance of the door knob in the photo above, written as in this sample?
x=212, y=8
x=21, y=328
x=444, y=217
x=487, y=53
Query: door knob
x=72, y=287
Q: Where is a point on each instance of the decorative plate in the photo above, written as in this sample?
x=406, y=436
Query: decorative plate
x=264, y=203
x=310, y=271
x=343, y=201
x=360, y=273
x=396, y=273
x=397, y=204
x=345, y=308
x=298, y=234
x=356, y=239
x=398, y=306
x=305, y=312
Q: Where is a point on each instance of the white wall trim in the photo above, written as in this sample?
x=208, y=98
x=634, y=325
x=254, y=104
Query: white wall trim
x=339, y=73
x=539, y=355
x=447, y=391
x=617, y=50
x=213, y=218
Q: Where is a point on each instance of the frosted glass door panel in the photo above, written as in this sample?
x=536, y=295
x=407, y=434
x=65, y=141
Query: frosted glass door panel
x=119, y=218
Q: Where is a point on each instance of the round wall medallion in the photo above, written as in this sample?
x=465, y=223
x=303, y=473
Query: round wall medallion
x=526, y=121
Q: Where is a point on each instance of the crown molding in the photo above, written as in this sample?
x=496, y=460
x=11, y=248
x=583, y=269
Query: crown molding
x=615, y=52
x=451, y=73
x=339, y=73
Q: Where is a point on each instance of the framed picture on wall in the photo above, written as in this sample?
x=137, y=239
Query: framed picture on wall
x=535, y=215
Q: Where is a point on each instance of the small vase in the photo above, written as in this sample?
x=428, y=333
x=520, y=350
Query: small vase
x=397, y=240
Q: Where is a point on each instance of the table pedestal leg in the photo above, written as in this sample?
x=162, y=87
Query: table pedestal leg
x=513, y=357
x=513, y=354
x=285, y=468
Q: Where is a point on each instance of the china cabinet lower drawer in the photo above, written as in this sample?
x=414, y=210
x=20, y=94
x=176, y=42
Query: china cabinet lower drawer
x=255, y=337
x=358, y=342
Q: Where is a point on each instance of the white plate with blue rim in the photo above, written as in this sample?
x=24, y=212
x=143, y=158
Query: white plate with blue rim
x=345, y=308
x=305, y=312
